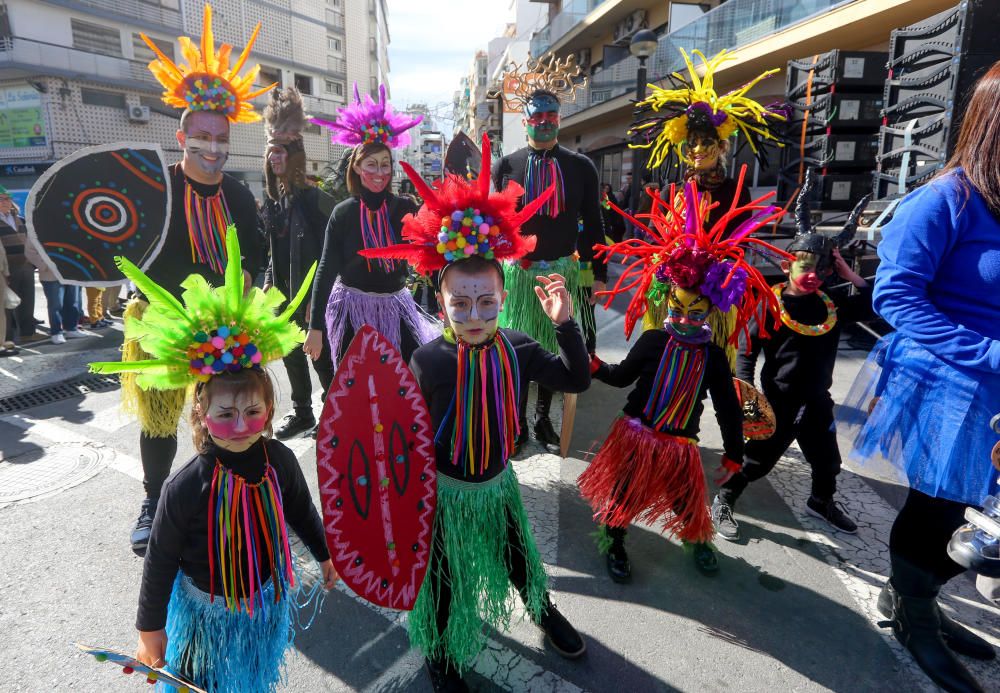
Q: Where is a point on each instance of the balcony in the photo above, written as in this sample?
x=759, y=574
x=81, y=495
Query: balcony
x=335, y=20
x=22, y=57
x=145, y=12
x=732, y=25
x=337, y=67
x=572, y=14
x=322, y=105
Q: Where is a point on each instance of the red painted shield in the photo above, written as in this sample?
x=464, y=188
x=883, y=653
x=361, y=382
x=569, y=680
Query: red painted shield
x=377, y=479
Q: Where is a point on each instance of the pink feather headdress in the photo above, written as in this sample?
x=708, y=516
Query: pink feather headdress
x=366, y=121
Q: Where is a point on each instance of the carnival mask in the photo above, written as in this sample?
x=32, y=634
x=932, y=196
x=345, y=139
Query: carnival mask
x=687, y=311
x=205, y=143
x=703, y=154
x=542, y=118
x=375, y=171
x=472, y=304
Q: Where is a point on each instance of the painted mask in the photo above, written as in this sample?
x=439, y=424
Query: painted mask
x=375, y=171
x=542, y=114
x=687, y=311
x=702, y=154
x=236, y=422
x=472, y=305
x=805, y=273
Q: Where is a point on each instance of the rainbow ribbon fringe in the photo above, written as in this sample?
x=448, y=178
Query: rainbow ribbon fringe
x=543, y=171
x=207, y=220
x=246, y=525
x=376, y=232
x=676, y=387
x=486, y=373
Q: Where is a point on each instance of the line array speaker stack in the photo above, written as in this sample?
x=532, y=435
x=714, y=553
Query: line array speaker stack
x=933, y=66
x=837, y=101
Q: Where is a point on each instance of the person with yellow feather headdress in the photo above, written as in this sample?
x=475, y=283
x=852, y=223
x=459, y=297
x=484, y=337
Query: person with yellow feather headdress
x=205, y=203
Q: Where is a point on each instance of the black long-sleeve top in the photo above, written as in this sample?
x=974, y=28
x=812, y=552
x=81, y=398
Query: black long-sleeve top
x=340, y=252
x=796, y=364
x=561, y=237
x=435, y=365
x=179, y=539
x=640, y=367
x=174, y=264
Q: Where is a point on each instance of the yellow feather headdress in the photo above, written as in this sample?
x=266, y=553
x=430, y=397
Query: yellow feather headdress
x=665, y=118
x=207, y=82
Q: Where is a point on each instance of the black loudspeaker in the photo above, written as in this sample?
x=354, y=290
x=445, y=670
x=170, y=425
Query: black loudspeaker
x=841, y=70
x=933, y=67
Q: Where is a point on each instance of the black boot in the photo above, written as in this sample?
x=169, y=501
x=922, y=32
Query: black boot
x=955, y=636
x=705, y=560
x=520, y=440
x=545, y=433
x=143, y=526
x=916, y=622
x=293, y=424
x=444, y=677
x=560, y=633
x=619, y=567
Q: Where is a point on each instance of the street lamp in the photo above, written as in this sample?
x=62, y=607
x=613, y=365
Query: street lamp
x=643, y=46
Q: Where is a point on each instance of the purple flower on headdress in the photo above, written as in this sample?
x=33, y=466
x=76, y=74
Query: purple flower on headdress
x=724, y=297
x=715, y=118
x=685, y=266
x=368, y=121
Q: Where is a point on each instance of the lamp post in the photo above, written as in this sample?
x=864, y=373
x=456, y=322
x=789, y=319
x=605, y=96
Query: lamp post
x=643, y=46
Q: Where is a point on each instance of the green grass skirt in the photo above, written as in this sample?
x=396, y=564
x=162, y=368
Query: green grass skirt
x=524, y=313
x=471, y=535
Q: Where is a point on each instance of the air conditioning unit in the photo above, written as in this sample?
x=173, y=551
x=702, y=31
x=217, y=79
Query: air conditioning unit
x=630, y=25
x=583, y=58
x=138, y=114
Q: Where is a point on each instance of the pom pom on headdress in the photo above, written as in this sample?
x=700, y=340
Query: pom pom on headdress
x=215, y=330
x=207, y=82
x=685, y=254
x=460, y=219
x=366, y=121
x=667, y=117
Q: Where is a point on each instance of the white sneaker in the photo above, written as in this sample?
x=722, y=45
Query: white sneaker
x=59, y=338
x=74, y=334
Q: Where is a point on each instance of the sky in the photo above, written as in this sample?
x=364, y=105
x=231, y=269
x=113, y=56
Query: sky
x=432, y=43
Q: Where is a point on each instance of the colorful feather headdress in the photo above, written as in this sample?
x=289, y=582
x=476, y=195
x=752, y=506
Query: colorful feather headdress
x=683, y=253
x=366, y=121
x=663, y=121
x=215, y=330
x=461, y=218
x=207, y=82
x=560, y=77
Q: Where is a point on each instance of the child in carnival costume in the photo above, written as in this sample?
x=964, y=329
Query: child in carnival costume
x=649, y=468
x=472, y=378
x=216, y=601
x=355, y=290
x=690, y=122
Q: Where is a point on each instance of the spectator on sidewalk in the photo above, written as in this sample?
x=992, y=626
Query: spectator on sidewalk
x=14, y=236
x=100, y=302
x=63, y=300
x=6, y=348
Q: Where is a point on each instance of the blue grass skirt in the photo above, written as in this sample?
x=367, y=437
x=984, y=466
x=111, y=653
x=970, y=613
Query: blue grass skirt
x=223, y=651
x=919, y=421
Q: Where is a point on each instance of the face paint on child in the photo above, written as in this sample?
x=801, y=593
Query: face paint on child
x=804, y=274
x=703, y=154
x=375, y=171
x=687, y=311
x=236, y=422
x=472, y=304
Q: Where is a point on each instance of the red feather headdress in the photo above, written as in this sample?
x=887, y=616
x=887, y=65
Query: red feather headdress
x=683, y=253
x=460, y=219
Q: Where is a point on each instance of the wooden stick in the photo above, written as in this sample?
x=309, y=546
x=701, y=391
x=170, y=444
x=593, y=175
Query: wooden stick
x=568, y=419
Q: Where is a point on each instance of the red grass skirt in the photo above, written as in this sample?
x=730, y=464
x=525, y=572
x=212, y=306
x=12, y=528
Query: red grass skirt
x=651, y=477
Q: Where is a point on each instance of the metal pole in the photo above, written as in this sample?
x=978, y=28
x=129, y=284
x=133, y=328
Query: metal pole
x=638, y=155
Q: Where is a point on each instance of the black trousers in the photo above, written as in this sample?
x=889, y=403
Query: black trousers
x=810, y=422
x=21, y=320
x=298, y=373
x=157, y=456
x=921, y=533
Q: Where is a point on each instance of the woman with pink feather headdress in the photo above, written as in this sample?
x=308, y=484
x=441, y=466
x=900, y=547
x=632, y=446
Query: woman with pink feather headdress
x=350, y=290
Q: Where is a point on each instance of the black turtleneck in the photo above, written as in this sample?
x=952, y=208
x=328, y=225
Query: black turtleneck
x=640, y=367
x=179, y=540
x=561, y=237
x=340, y=252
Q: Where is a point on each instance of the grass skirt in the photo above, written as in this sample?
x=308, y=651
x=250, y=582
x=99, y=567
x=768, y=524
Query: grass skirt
x=524, y=313
x=471, y=534
x=223, y=651
x=651, y=477
x=917, y=420
x=158, y=411
x=387, y=313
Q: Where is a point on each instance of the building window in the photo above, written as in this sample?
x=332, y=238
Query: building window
x=155, y=105
x=95, y=38
x=333, y=44
x=332, y=86
x=96, y=97
x=143, y=52
x=333, y=3
x=304, y=83
x=268, y=75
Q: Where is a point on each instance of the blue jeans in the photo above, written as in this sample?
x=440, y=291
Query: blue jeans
x=64, y=306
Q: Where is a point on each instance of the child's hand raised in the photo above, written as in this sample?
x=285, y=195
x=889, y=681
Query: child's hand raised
x=330, y=576
x=555, y=299
x=152, y=648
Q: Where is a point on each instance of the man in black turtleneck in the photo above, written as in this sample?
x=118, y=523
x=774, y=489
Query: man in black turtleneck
x=557, y=228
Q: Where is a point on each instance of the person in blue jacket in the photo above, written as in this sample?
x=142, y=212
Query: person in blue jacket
x=926, y=397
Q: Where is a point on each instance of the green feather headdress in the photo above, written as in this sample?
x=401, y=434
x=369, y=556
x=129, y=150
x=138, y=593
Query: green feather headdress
x=215, y=330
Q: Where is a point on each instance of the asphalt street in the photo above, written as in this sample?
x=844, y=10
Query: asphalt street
x=792, y=608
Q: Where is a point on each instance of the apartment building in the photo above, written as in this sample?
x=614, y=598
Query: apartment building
x=73, y=72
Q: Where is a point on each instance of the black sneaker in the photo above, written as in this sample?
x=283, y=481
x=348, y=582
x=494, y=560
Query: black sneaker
x=561, y=634
x=726, y=525
x=705, y=560
x=833, y=512
x=293, y=424
x=545, y=433
x=314, y=432
x=143, y=526
x=444, y=677
x=619, y=567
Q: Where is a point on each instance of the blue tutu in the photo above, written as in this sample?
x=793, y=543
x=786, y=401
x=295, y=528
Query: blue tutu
x=919, y=421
